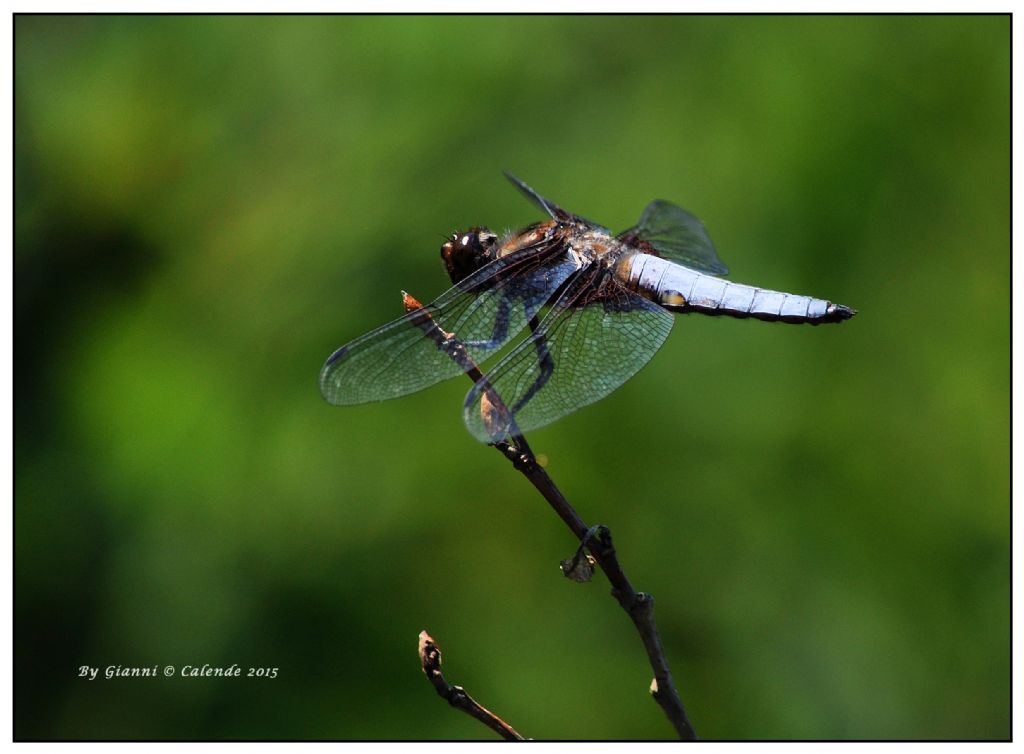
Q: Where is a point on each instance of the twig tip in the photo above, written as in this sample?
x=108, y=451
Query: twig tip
x=410, y=303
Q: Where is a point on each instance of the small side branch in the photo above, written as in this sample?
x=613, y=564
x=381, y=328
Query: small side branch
x=639, y=606
x=430, y=658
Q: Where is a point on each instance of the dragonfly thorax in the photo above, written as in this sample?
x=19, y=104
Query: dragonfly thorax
x=596, y=244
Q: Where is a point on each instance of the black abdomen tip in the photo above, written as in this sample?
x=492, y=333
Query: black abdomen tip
x=837, y=313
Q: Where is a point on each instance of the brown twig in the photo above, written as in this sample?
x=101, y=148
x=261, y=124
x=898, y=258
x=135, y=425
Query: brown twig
x=430, y=659
x=638, y=605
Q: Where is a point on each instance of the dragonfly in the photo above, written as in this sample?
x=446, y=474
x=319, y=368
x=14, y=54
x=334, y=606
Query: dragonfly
x=596, y=307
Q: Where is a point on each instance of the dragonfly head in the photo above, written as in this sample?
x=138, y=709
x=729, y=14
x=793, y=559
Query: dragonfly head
x=465, y=253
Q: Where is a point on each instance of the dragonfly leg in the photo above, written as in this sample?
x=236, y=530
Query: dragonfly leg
x=500, y=332
x=546, y=362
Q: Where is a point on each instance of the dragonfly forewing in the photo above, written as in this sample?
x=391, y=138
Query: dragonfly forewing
x=484, y=312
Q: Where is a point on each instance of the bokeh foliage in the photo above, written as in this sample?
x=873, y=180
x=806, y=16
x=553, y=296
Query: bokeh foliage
x=206, y=207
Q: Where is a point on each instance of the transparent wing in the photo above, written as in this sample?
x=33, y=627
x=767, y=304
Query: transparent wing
x=484, y=311
x=677, y=235
x=597, y=335
x=546, y=204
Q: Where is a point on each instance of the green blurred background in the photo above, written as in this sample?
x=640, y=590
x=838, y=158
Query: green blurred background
x=206, y=207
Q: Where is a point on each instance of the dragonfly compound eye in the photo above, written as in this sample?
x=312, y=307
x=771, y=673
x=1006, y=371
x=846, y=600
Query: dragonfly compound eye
x=467, y=252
